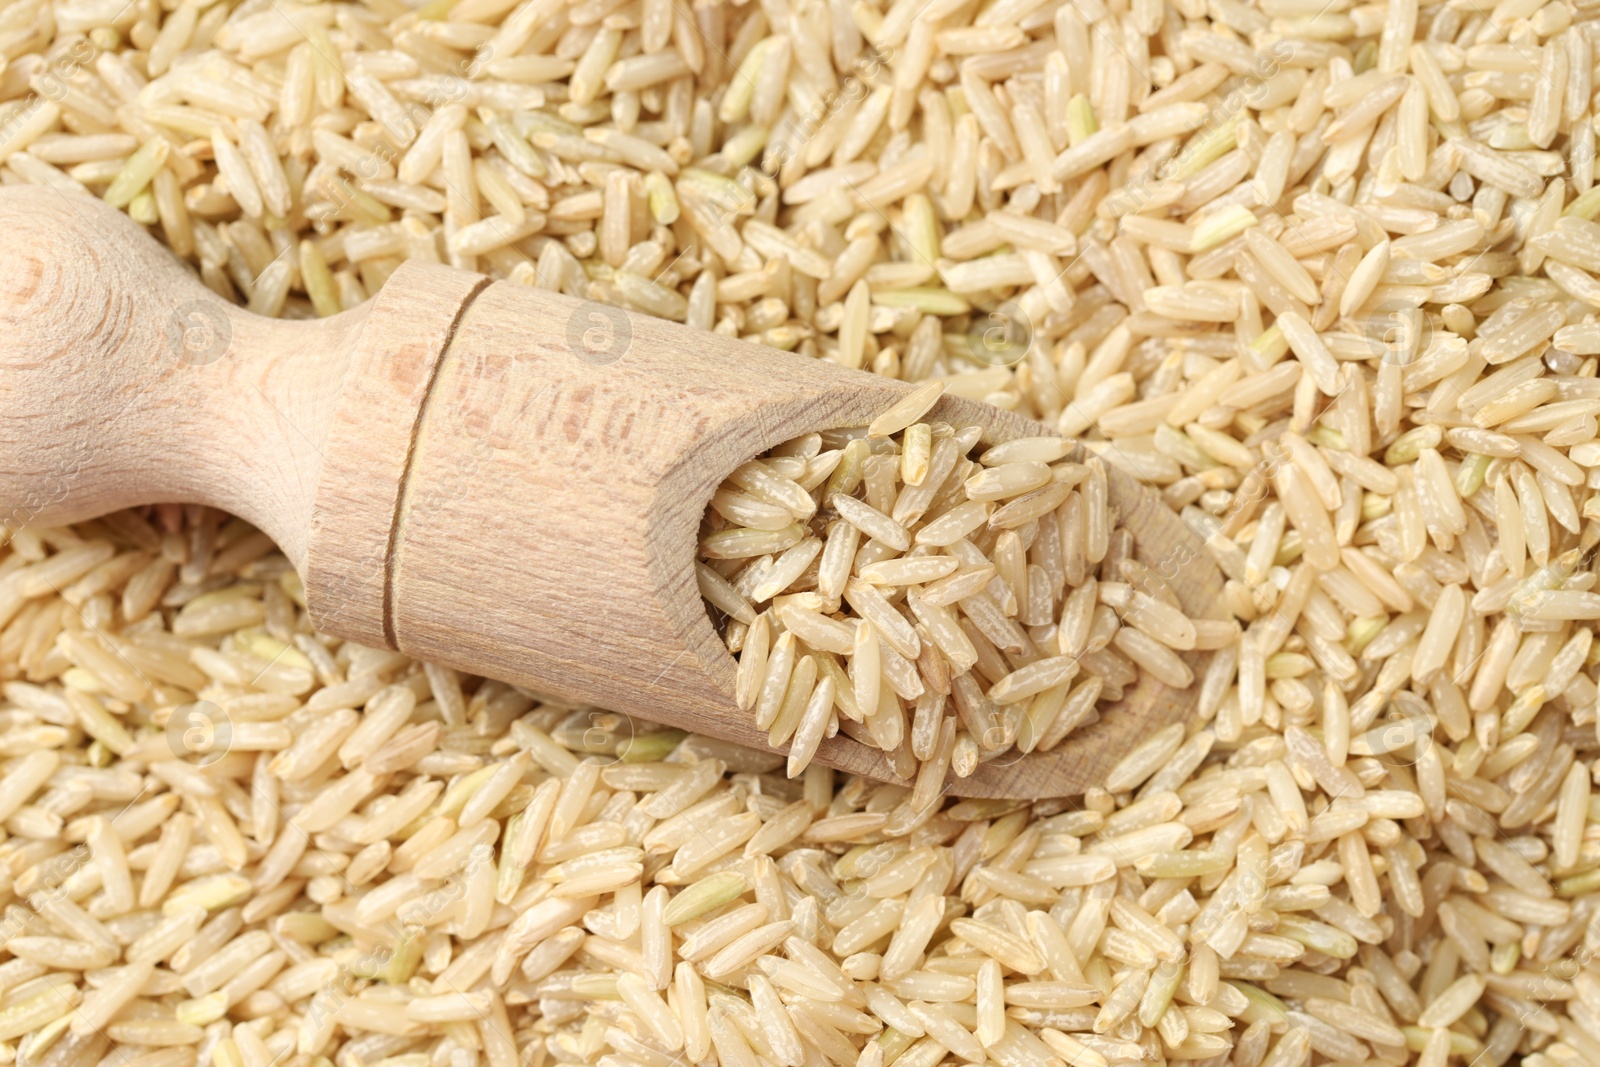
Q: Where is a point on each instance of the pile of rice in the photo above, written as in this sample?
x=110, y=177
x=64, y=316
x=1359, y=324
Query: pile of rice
x=1325, y=275
x=962, y=597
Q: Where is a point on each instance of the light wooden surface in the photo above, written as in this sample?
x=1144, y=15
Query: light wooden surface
x=489, y=476
x=125, y=381
x=389, y=371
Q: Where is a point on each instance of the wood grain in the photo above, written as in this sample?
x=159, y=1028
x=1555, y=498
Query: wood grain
x=493, y=477
x=124, y=381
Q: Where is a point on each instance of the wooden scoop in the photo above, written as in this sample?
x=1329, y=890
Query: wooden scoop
x=480, y=474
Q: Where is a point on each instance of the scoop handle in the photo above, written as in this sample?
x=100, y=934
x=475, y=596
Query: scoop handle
x=125, y=381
